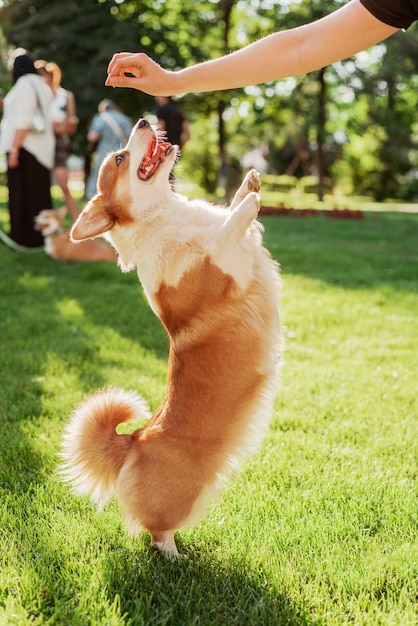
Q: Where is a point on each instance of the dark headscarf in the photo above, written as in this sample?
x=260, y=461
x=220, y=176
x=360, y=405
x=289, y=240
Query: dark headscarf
x=23, y=64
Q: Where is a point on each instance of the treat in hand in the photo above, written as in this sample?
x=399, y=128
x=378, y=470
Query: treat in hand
x=131, y=72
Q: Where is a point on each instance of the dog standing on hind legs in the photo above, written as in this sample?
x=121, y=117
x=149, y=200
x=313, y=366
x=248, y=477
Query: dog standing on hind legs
x=215, y=289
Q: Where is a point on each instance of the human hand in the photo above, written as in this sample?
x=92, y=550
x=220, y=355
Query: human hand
x=13, y=160
x=139, y=71
x=71, y=124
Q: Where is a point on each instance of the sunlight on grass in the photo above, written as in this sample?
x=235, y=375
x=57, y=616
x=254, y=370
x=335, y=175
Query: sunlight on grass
x=70, y=309
x=34, y=283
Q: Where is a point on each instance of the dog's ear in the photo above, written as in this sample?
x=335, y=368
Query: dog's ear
x=92, y=222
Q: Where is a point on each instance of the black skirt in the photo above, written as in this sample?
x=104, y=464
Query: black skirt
x=29, y=193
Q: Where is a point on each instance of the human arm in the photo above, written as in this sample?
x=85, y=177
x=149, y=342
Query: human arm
x=69, y=124
x=13, y=159
x=94, y=133
x=93, y=136
x=339, y=35
x=72, y=119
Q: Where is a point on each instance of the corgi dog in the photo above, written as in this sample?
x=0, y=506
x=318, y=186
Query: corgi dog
x=215, y=289
x=58, y=244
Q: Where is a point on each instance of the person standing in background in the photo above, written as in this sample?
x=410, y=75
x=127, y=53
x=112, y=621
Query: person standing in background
x=109, y=131
x=29, y=150
x=65, y=123
x=172, y=121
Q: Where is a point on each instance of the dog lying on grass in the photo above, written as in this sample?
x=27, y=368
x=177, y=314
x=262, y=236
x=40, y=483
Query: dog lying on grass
x=215, y=289
x=59, y=246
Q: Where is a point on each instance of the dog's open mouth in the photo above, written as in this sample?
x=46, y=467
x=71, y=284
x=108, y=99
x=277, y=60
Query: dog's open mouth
x=156, y=154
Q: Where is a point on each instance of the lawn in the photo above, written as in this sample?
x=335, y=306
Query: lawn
x=321, y=526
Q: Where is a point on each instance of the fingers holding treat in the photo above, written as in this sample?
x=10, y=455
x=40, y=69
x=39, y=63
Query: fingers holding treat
x=138, y=71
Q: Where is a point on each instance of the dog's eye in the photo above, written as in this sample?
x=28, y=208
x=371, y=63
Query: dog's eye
x=119, y=158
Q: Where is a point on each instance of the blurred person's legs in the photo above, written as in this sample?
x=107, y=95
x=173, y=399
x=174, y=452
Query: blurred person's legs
x=29, y=193
x=61, y=177
x=61, y=174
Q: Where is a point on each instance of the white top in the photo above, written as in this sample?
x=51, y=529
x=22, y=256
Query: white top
x=19, y=107
x=59, y=105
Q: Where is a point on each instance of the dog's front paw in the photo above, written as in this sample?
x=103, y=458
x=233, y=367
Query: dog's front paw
x=252, y=181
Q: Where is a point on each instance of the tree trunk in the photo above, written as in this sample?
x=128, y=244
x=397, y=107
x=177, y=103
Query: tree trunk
x=321, y=132
x=227, y=6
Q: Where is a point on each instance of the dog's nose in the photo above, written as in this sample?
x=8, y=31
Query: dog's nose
x=142, y=123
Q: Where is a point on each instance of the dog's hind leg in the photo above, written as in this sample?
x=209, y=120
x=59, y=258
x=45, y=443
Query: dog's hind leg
x=251, y=182
x=164, y=541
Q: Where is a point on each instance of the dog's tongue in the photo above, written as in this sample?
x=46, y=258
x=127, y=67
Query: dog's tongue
x=150, y=162
x=160, y=152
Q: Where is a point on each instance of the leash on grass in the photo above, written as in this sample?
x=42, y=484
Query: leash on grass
x=8, y=241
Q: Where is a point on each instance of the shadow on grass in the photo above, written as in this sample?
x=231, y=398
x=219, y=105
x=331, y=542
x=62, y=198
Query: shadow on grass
x=33, y=321
x=197, y=590
x=110, y=582
x=47, y=310
x=379, y=250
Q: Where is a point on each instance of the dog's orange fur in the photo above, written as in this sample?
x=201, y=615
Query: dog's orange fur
x=222, y=320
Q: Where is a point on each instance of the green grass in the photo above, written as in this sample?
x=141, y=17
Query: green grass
x=320, y=528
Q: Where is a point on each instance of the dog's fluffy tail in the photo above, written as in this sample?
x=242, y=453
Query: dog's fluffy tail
x=93, y=452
